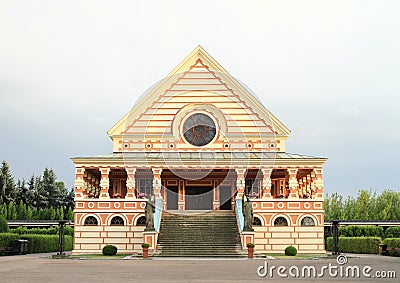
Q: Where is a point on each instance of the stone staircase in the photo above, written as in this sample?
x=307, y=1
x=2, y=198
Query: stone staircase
x=199, y=234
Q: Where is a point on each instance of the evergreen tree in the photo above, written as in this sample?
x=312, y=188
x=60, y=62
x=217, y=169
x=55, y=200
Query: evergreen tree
x=12, y=211
x=7, y=186
x=21, y=211
x=4, y=225
x=51, y=214
x=53, y=190
x=70, y=214
x=60, y=213
x=3, y=210
x=41, y=196
x=23, y=193
x=29, y=213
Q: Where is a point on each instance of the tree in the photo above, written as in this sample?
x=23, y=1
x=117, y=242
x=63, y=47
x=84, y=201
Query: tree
x=12, y=211
x=21, y=211
x=41, y=196
x=4, y=225
x=366, y=206
x=70, y=214
x=3, y=210
x=23, y=193
x=334, y=207
x=52, y=189
x=7, y=186
x=29, y=215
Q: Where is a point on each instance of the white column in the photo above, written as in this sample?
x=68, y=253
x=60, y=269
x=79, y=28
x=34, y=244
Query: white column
x=104, y=182
x=240, y=182
x=266, y=183
x=157, y=181
x=293, y=183
x=130, y=183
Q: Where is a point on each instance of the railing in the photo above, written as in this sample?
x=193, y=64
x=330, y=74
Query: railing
x=239, y=214
x=158, y=213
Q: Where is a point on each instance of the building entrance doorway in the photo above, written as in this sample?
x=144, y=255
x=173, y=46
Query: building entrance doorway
x=198, y=198
x=225, y=198
x=172, y=198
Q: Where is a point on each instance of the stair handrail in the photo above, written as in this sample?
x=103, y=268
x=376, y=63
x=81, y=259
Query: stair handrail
x=239, y=214
x=158, y=213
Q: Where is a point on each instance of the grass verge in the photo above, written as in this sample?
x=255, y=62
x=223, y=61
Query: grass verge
x=100, y=256
x=298, y=256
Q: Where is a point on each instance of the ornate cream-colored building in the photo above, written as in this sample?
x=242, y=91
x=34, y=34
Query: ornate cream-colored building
x=199, y=140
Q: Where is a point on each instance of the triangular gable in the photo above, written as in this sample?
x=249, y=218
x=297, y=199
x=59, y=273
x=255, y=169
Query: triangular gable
x=197, y=80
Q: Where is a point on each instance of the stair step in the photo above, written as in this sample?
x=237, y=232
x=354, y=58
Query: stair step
x=206, y=234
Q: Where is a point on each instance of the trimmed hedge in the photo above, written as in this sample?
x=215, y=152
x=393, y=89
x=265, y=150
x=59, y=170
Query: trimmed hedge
x=361, y=231
x=37, y=243
x=392, y=232
x=7, y=238
x=42, y=231
x=46, y=243
x=358, y=245
x=392, y=242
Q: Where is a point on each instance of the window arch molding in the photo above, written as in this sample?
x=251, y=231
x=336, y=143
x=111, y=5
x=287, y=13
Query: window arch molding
x=91, y=220
x=279, y=218
x=260, y=218
x=257, y=221
x=111, y=217
x=140, y=220
x=117, y=221
x=305, y=220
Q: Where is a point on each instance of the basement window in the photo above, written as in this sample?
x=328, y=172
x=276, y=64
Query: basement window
x=117, y=221
x=91, y=221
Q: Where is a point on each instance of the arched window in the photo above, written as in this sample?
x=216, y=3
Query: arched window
x=141, y=221
x=91, y=221
x=257, y=221
x=307, y=221
x=117, y=221
x=280, y=221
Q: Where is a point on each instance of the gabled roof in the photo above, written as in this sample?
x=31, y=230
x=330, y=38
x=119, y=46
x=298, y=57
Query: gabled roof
x=212, y=78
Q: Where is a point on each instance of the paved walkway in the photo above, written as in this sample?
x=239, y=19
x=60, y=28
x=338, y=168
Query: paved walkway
x=38, y=268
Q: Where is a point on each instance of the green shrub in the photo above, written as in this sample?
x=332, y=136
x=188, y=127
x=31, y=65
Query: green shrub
x=4, y=225
x=392, y=242
x=42, y=231
x=329, y=243
x=360, y=245
x=110, y=250
x=393, y=232
x=291, y=251
x=46, y=243
x=361, y=231
x=250, y=245
x=68, y=230
x=6, y=238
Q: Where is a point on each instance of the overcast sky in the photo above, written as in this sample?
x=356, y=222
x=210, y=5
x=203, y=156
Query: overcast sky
x=329, y=70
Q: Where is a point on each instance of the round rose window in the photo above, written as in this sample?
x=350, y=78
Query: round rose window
x=199, y=129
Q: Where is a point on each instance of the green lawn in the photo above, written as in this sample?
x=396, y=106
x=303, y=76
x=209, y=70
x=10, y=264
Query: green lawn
x=100, y=256
x=298, y=256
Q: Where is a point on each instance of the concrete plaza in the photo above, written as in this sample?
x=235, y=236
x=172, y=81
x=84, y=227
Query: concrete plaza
x=40, y=268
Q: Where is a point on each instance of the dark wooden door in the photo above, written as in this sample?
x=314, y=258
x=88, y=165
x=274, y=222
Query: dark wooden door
x=199, y=198
x=172, y=198
x=225, y=198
